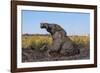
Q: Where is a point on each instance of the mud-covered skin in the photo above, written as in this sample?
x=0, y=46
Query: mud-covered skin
x=61, y=44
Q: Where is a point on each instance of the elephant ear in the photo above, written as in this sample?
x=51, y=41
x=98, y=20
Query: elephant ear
x=57, y=27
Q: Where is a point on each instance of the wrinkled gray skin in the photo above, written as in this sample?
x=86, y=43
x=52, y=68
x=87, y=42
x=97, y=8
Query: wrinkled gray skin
x=61, y=42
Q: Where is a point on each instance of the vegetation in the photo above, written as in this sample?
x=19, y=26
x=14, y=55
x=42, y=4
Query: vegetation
x=37, y=41
x=81, y=40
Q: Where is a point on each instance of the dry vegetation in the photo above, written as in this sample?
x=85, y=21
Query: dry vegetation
x=37, y=41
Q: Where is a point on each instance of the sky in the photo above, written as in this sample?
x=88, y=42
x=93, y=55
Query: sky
x=73, y=23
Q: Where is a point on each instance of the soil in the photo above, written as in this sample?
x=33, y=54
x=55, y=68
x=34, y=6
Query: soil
x=33, y=55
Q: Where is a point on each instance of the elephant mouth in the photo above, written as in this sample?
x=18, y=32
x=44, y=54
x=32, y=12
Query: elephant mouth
x=43, y=25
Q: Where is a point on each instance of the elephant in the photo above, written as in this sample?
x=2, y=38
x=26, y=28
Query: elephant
x=61, y=43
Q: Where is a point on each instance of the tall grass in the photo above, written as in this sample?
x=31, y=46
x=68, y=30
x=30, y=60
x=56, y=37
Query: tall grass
x=81, y=40
x=37, y=41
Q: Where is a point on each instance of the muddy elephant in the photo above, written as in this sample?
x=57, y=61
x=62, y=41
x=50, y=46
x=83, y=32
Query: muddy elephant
x=61, y=44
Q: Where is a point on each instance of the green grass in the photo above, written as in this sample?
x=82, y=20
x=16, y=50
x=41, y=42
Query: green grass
x=37, y=41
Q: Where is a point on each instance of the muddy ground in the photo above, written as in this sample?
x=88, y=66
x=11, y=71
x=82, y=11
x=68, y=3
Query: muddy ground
x=33, y=55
